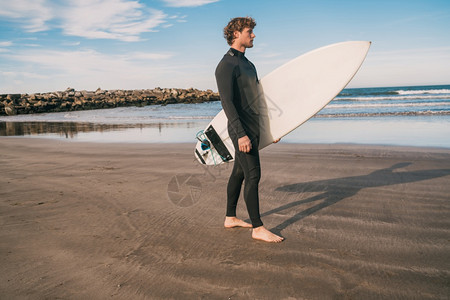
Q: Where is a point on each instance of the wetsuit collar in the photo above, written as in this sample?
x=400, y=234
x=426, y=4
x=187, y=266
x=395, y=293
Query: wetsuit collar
x=234, y=52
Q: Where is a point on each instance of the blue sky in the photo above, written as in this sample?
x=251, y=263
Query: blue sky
x=49, y=45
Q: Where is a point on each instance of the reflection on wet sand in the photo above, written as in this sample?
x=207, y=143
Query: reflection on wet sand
x=71, y=129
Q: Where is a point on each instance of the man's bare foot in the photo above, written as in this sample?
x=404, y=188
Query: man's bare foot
x=261, y=233
x=231, y=222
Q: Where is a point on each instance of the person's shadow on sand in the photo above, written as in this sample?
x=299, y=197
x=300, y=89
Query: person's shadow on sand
x=335, y=190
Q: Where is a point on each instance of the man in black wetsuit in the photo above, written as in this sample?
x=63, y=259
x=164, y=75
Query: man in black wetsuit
x=239, y=91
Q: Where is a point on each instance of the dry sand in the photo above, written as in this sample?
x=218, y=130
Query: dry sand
x=140, y=221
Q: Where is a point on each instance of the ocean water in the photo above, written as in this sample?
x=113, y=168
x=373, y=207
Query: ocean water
x=408, y=116
x=390, y=101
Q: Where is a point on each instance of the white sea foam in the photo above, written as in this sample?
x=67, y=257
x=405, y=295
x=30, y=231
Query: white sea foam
x=421, y=92
x=366, y=105
x=411, y=97
x=190, y=117
x=383, y=114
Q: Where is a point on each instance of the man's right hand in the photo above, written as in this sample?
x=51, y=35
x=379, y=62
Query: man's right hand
x=245, y=145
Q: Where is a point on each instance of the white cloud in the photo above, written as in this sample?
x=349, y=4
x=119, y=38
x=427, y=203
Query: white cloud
x=84, y=69
x=71, y=44
x=33, y=14
x=176, y=18
x=89, y=61
x=188, y=3
x=147, y=56
x=110, y=19
x=24, y=74
x=6, y=44
x=122, y=20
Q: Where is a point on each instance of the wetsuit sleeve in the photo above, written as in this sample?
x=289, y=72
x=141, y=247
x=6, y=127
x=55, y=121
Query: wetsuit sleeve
x=225, y=75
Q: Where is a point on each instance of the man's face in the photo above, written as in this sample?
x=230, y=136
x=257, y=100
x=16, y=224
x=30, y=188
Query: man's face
x=245, y=38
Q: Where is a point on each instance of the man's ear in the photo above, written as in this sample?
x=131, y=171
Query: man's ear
x=236, y=34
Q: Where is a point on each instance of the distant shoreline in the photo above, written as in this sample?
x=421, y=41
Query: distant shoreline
x=72, y=100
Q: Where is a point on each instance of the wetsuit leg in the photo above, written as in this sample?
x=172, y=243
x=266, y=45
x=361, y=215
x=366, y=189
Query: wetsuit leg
x=234, y=188
x=246, y=165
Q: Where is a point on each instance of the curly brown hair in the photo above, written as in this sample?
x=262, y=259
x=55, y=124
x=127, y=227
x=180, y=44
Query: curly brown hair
x=237, y=24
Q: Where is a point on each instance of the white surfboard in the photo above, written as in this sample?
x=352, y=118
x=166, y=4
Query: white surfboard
x=293, y=93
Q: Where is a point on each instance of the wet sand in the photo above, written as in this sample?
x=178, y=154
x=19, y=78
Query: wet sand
x=145, y=221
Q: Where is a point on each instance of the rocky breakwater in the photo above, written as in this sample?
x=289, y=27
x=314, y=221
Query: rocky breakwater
x=70, y=99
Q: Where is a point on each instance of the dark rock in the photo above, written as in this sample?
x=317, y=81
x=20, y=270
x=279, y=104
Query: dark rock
x=10, y=110
x=71, y=99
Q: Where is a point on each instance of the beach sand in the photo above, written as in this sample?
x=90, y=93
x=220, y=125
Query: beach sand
x=145, y=221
